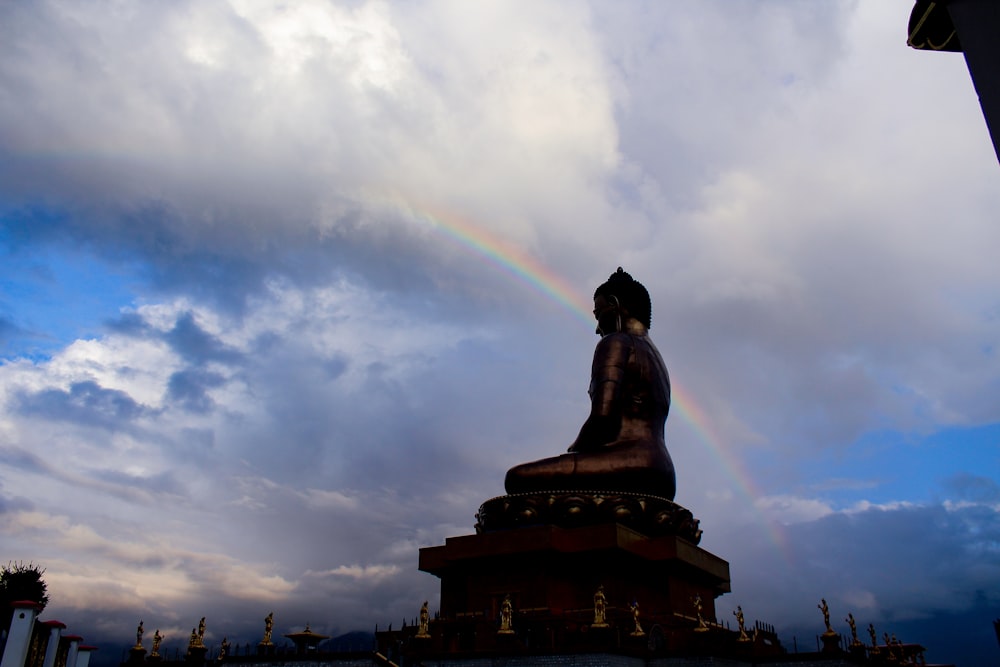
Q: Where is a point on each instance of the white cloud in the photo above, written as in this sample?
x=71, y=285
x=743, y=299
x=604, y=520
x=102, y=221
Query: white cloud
x=789, y=509
x=359, y=572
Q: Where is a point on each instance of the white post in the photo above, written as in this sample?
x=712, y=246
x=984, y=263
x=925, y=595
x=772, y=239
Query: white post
x=74, y=649
x=83, y=659
x=19, y=637
x=52, y=649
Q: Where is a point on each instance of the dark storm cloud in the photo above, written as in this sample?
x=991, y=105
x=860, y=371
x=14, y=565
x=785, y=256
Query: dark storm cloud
x=884, y=565
x=24, y=460
x=128, y=324
x=189, y=388
x=86, y=403
x=228, y=268
x=195, y=344
x=914, y=571
x=131, y=488
x=974, y=488
x=10, y=504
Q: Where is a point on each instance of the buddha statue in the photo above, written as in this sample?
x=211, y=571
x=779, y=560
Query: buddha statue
x=620, y=447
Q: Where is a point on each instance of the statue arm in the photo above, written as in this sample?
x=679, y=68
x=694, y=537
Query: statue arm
x=607, y=375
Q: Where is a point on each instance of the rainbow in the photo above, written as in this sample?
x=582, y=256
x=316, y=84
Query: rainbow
x=509, y=259
x=522, y=266
x=681, y=401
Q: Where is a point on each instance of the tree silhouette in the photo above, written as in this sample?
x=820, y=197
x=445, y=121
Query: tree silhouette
x=20, y=582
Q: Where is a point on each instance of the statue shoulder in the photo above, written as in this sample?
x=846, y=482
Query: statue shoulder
x=613, y=348
x=616, y=340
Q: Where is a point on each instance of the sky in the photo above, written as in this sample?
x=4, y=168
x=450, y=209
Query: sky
x=285, y=289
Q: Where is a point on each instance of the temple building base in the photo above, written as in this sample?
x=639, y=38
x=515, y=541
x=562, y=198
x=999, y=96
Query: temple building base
x=593, y=589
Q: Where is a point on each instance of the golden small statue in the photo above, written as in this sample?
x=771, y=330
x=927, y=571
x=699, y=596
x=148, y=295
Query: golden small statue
x=157, y=638
x=193, y=641
x=423, y=630
x=600, y=609
x=854, y=630
x=740, y=620
x=268, y=627
x=224, y=648
x=702, y=627
x=826, y=617
x=506, y=617
x=138, y=636
x=871, y=633
x=201, y=630
x=637, y=631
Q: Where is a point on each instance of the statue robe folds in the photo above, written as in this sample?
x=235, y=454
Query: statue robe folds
x=620, y=447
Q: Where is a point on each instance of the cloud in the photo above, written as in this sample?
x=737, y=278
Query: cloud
x=975, y=488
x=789, y=509
x=189, y=389
x=85, y=402
x=360, y=573
x=194, y=344
x=892, y=567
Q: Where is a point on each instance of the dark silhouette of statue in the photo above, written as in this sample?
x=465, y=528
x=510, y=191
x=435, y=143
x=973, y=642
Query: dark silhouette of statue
x=620, y=446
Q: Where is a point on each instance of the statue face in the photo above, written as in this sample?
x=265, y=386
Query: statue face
x=606, y=314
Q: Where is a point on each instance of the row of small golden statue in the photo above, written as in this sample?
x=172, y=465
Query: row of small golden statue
x=507, y=617
x=157, y=638
x=601, y=611
x=830, y=632
x=197, y=640
x=600, y=617
x=891, y=647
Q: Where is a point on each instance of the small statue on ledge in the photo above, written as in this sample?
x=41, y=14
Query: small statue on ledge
x=506, y=617
x=600, y=609
x=157, y=639
x=268, y=627
x=223, y=649
x=741, y=621
x=620, y=446
x=702, y=626
x=826, y=617
x=854, y=629
x=637, y=631
x=138, y=636
x=423, y=630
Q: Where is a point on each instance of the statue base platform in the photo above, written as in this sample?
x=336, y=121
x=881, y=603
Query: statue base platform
x=136, y=655
x=652, y=516
x=831, y=642
x=196, y=654
x=557, y=569
x=550, y=553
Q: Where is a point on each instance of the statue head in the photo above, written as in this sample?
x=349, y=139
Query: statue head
x=622, y=293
